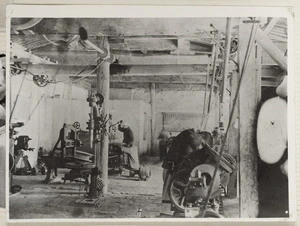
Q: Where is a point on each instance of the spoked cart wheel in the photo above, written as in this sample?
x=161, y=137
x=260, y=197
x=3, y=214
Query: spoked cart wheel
x=178, y=188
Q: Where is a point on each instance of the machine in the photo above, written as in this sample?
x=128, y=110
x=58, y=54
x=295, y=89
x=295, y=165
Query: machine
x=65, y=155
x=189, y=187
x=22, y=165
x=124, y=160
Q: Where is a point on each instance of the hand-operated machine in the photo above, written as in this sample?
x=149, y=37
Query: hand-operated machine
x=125, y=161
x=189, y=186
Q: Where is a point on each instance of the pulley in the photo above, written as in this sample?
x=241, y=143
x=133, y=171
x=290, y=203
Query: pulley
x=41, y=80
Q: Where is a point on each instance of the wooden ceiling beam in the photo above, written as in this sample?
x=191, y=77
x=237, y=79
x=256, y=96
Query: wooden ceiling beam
x=86, y=58
x=162, y=59
x=271, y=71
x=126, y=44
x=270, y=83
x=128, y=26
x=121, y=70
x=158, y=69
x=167, y=79
x=158, y=86
x=178, y=79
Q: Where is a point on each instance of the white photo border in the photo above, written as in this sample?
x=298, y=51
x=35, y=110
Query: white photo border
x=142, y=11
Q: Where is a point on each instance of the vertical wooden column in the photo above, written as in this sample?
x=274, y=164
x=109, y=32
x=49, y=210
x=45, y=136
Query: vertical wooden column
x=247, y=124
x=274, y=52
x=225, y=70
x=153, y=112
x=233, y=133
x=103, y=82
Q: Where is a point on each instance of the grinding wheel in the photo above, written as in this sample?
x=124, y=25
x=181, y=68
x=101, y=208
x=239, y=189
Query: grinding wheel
x=272, y=130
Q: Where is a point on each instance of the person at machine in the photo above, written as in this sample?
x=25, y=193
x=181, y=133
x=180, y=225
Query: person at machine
x=183, y=153
x=128, y=137
x=163, y=136
x=131, y=157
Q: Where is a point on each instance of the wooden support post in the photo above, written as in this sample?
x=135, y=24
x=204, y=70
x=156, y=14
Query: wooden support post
x=153, y=111
x=271, y=25
x=274, y=52
x=258, y=58
x=225, y=68
x=233, y=134
x=102, y=147
x=247, y=126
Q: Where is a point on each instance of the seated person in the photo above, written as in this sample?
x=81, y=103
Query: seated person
x=184, y=147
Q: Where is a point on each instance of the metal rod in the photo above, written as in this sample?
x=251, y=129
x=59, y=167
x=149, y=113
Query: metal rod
x=225, y=66
x=212, y=84
x=94, y=46
x=217, y=43
x=206, y=87
x=91, y=129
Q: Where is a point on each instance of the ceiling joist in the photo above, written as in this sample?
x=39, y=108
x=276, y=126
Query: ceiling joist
x=176, y=79
x=121, y=70
x=127, y=26
x=86, y=58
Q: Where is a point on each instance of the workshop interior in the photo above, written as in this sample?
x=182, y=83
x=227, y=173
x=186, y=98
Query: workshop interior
x=148, y=118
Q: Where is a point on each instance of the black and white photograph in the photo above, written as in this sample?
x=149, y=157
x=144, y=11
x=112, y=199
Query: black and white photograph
x=134, y=116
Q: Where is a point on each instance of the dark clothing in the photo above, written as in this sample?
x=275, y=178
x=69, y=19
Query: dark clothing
x=183, y=153
x=182, y=145
x=163, y=138
x=128, y=135
x=162, y=149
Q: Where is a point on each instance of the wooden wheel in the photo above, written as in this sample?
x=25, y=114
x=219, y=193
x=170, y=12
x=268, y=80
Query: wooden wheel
x=178, y=188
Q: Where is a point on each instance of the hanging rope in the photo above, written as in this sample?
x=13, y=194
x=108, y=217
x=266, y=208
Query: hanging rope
x=247, y=55
x=206, y=87
x=207, y=116
x=83, y=77
x=65, y=81
x=18, y=94
x=35, y=107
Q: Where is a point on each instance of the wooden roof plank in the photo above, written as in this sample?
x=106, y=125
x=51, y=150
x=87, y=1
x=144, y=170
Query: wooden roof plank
x=128, y=26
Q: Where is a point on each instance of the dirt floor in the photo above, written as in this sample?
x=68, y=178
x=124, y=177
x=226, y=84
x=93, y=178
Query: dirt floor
x=125, y=197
